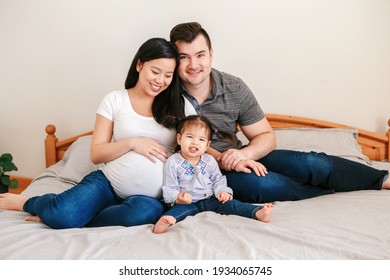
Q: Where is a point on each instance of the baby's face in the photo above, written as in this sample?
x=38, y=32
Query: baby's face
x=193, y=142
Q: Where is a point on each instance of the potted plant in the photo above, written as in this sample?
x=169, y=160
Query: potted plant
x=7, y=165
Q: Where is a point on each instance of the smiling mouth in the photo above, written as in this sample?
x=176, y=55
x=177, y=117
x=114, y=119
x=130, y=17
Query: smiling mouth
x=194, y=73
x=155, y=88
x=193, y=149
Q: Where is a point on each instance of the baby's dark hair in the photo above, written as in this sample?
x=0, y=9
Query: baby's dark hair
x=201, y=121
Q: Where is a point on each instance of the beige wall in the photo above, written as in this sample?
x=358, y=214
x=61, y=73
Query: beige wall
x=326, y=59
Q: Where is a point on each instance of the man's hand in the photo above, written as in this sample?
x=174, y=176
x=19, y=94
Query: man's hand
x=247, y=165
x=233, y=159
x=230, y=158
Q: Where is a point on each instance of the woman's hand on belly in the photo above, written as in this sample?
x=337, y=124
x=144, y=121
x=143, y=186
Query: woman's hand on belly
x=149, y=148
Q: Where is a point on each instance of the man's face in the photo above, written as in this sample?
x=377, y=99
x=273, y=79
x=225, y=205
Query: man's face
x=195, y=61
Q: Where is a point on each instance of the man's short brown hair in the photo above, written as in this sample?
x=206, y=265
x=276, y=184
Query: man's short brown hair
x=188, y=32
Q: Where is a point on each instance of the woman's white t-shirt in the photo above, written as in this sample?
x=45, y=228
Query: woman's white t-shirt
x=133, y=173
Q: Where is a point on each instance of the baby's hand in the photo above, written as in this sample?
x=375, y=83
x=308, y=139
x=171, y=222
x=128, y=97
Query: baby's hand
x=183, y=198
x=224, y=196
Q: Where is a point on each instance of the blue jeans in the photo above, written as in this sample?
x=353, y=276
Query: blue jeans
x=231, y=207
x=93, y=203
x=297, y=175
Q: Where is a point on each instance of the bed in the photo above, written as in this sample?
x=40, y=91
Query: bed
x=349, y=226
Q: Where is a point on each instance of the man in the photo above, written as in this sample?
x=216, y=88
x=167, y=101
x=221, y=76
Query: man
x=256, y=172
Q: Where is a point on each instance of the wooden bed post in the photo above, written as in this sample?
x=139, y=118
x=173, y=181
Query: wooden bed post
x=50, y=145
x=388, y=140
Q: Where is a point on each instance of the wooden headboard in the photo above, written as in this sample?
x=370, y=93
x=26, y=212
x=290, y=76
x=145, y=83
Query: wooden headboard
x=375, y=146
x=54, y=148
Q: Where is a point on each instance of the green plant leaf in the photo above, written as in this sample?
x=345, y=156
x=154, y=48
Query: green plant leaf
x=6, y=163
x=5, y=180
x=14, y=184
x=9, y=166
x=6, y=157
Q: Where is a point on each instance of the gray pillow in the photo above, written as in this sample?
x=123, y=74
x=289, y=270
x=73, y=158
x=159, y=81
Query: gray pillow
x=61, y=176
x=332, y=141
x=340, y=142
x=77, y=162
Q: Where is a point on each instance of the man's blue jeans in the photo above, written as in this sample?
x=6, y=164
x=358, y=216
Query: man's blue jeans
x=93, y=203
x=297, y=175
x=231, y=207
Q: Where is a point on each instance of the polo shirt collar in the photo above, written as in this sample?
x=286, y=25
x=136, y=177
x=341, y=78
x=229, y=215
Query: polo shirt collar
x=217, y=88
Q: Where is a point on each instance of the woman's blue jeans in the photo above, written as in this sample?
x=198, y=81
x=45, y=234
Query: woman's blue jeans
x=93, y=203
x=297, y=175
x=231, y=207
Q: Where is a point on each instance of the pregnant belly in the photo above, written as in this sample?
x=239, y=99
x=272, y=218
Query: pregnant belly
x=134, y=174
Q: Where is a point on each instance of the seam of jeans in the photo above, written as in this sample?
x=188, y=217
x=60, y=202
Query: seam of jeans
x=255, y=211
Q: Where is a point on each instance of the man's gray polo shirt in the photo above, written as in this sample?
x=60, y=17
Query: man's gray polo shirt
x=230, y=102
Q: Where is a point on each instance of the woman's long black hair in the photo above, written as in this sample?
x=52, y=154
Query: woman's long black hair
x=168, y=102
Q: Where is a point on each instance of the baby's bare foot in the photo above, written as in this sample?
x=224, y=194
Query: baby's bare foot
x=11, y=201
x=33, y=219
x=163, y=224
x=264, y=213
x=386, y=184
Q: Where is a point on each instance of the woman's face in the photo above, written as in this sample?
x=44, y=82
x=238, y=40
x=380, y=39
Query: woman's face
x=155, y=75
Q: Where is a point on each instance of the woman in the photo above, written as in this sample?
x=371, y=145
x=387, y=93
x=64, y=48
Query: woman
x=129, y=138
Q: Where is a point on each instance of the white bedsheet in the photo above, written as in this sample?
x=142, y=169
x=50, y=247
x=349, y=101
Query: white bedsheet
x=353, y=225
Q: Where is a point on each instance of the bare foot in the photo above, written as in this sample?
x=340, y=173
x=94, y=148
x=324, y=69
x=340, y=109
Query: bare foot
x=10, y=201
x=163, y=224
x=386, y=184
x=264, y=213
x=33, y=219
